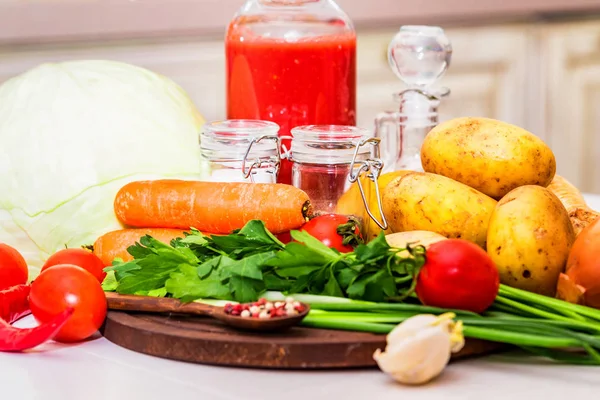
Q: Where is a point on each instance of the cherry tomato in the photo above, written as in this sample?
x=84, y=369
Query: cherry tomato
x=324, y=228
x=69, y=285
x=284, y=237
x=13, y=267
x=458, y=274
x=80, y=257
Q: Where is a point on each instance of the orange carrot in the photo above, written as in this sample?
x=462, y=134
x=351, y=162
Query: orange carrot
x=114, y=244
x=217, y=207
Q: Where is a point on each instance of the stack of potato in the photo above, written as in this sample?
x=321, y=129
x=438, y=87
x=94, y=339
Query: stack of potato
x=494, y=184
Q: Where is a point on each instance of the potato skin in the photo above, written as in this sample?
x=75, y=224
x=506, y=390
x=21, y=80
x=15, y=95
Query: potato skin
x=529, y=238
x=351, y=203
x=488, y=155
x=430, y=202
x=415, y=238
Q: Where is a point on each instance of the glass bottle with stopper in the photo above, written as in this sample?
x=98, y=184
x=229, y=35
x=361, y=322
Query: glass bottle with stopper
x=419, y=56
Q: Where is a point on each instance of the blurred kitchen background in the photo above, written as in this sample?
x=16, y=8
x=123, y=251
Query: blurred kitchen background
x=534, y=63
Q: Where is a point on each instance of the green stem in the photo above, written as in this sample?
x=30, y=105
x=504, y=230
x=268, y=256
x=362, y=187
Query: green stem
x=519, y=294
x=390, y=318
x=365, y=306
x=506, y=322
x=545, y=314
x=347, y=325
x=518, y=339
x=403, y=280
x=567, y=313
x=493, y=335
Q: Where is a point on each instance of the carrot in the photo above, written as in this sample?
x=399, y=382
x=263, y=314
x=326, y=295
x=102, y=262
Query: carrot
x=114, y=244
x=217, y=207
x=572, y=199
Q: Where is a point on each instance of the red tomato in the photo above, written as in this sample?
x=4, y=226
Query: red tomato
x=324, y=228
x=13, y=267
x=284, y=237
x=583, y=265
x=80, y=257
x=458, y=274
x=69, y=285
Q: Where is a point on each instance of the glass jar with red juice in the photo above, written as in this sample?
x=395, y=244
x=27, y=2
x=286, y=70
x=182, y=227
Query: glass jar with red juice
x=292, y=62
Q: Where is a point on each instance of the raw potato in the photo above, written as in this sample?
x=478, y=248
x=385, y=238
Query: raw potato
x=579, y=212
x=415, y=238
x=423, y=201
x=424, y=238
x=529, y=238
x=491, y=156
x=351, y=202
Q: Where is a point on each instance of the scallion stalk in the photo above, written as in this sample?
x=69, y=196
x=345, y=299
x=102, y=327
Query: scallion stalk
x=548, y=315
x=367, y=306
x=518, y=294
x=347, y=325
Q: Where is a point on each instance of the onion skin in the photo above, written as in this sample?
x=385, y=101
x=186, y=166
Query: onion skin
x=582, y=273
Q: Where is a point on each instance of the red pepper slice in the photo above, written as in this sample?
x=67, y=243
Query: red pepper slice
x=14, y=303
x=16, y=339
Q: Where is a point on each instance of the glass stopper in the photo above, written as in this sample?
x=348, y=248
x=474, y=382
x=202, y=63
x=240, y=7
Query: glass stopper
x=419, y=55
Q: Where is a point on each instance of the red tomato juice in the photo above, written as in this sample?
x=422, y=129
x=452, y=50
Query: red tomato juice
x=304, y=82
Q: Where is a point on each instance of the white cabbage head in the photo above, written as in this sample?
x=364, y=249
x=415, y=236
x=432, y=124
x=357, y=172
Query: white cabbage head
x=71, y=135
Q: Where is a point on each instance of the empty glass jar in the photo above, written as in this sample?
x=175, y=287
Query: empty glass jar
x=241, y=150
x=327, y=159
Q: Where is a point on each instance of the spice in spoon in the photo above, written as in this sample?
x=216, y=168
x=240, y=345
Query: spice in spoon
x=265, y=309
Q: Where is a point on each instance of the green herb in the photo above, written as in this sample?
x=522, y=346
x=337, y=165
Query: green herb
x=245, y=264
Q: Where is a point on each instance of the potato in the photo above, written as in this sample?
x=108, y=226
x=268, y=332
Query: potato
x=351, y=203
x=424, y=238
x=490, y=156
x=423, y=201
x=415, y=238
x=529, y=238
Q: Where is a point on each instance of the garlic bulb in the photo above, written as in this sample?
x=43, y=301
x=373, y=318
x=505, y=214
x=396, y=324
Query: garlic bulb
x=419, y=348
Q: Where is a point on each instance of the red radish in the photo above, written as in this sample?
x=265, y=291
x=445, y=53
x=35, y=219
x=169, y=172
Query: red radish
x=458, y=274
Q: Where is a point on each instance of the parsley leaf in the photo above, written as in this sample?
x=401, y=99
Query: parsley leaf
x=245, y=290
x=152, y=271
x=186, y=285
x=332, y=288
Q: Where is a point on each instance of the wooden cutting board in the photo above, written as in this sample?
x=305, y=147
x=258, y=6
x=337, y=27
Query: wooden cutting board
x=208, y=341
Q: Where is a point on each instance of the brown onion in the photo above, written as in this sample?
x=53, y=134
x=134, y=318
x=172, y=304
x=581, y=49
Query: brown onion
x=581, y=281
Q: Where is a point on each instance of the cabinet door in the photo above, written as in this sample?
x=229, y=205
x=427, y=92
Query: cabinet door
x=572, y=61
x=488, y=75
x=198, y=66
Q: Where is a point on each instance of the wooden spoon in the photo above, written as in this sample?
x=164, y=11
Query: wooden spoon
x=169, y=305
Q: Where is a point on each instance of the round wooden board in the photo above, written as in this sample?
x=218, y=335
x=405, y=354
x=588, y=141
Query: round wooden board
x=208, y=341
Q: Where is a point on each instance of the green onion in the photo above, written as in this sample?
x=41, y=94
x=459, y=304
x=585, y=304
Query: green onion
x=347, y=325
x=368, y=306
x=535, y=298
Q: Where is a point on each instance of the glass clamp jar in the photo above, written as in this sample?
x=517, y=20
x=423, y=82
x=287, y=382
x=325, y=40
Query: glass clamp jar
x=241, y=150
x=372, y=169
x=327, y=159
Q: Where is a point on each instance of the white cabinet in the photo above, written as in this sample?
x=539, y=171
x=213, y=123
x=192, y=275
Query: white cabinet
x=572, y=101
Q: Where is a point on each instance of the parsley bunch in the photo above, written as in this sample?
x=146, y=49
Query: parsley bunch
x=243, y=265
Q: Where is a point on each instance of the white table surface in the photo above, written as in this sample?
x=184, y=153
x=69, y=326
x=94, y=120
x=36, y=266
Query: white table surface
x=98, y=369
